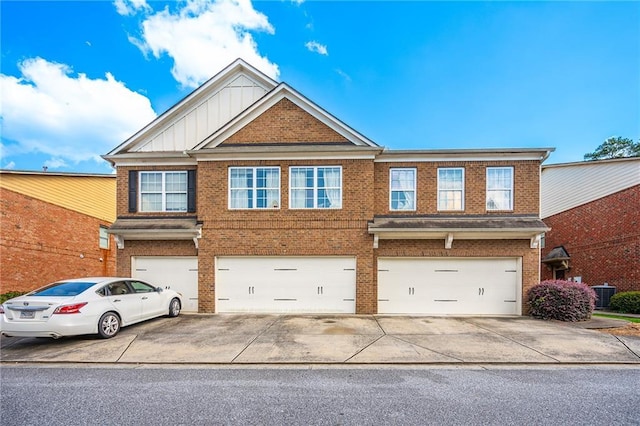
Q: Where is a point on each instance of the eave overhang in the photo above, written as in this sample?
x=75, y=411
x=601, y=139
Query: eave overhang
x=489, y=154
x=155, y=229
x=286, y=152
x=458, y=228
x=134, y=159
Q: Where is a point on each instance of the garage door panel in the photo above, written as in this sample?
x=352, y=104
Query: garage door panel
x=455, y=286
x=179, y=273
x=285, y=284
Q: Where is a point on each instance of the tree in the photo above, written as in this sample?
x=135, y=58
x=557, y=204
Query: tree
x=615, y=148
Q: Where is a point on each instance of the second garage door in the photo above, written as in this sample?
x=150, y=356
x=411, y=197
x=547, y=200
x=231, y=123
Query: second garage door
x=460, y=286
x=286, y=284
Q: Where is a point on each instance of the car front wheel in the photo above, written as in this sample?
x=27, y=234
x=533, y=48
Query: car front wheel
x=109, y=325
x=174, y=308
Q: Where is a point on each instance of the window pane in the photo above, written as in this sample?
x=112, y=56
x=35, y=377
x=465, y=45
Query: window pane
x=151, y=182
x=176, y=203
x=104, y=238
x=176, y=182
x=500, y=188
x=151, y=202
x=403, y=191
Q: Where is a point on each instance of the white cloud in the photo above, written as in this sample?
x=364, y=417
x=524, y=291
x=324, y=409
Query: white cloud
x=70, y=117
x=314, y=46
x=10, y=165
x=204, y=36
x=130, y=7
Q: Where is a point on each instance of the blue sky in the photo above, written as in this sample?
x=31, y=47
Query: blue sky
x=78, y=78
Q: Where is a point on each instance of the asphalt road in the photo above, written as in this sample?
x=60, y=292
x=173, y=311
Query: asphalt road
x=80, y=395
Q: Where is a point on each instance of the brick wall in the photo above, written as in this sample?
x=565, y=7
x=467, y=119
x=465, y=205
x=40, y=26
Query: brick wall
x=285, y=232
x=151, y=248
x=41, y=243
x=602, y=238
x=526, y=186
x=282, y=124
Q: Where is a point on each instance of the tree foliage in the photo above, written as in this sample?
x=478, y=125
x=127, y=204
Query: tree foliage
x=615, y=148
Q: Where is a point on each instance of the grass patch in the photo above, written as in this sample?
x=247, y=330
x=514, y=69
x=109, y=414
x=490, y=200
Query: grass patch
x=614, y=316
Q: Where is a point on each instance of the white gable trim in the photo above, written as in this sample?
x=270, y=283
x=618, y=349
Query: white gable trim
x=280, y=92
x=213, y=85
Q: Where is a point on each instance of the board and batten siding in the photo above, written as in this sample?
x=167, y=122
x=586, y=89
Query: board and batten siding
x=565, y=186
x=206, y=117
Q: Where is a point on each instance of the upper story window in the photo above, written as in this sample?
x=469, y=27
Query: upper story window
x=163, y=191
x=315, y=187
x=451, y=188
x=254, y=187
x=499, y=188
x=402, y=189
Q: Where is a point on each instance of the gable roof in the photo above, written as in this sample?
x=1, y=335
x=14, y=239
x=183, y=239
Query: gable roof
x=284, y=91
x=568, y=185
x=201, y=112
x=90, y=194
x=217, y=109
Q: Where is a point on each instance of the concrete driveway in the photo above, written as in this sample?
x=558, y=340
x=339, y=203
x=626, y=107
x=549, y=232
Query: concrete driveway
x=334, y=339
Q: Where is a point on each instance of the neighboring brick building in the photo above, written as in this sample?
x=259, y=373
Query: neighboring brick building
x=248, y=197
x=593, y=210
x=53, y=226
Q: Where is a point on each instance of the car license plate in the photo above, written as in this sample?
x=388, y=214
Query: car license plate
x=27, y=314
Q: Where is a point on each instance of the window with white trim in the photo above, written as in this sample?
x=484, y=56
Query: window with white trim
x=451, y=188
x=104, y=237
x=315, y=187
x=402, y=190
x=499, y=188
x=163, y=191
x=254, y=187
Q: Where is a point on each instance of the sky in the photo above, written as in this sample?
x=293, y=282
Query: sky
x=77, y=78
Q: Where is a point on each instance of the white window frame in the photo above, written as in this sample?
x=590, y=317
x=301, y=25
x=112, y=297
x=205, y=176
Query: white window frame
x=315, y=188
x=103, y=238
x=413, y=190
x=163, y=191
x=461, y=190
x=254, y=188
x=510, y=189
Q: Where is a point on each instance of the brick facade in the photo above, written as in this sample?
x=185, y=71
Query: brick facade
x=602, y=238
x=526, y=186
x=281, y=124
x=41, y=243
x=286, y=134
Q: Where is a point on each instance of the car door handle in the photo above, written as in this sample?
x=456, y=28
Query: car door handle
x=145, y=298
x=117, y=300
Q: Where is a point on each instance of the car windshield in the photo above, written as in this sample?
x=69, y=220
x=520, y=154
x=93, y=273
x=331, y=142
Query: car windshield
x=63, y=289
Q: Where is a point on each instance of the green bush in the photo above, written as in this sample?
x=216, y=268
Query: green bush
x=561, y=300
x=10, y=295
x=627, y=302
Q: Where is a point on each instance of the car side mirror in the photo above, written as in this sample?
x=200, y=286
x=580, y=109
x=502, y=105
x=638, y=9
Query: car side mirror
x=159, y=289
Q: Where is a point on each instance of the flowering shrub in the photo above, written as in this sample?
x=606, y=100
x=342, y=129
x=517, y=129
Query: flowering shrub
x=561, y=300
x=627, y=302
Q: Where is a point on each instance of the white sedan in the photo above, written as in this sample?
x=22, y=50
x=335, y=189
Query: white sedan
x=99, y=305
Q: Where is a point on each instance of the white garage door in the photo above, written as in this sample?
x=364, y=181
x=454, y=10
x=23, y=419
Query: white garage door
x=487, y=286
x=179, y=273
x=286, y=284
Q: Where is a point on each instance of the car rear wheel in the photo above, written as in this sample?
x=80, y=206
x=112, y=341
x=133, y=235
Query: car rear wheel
x=109, y=325
x=174, y=308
